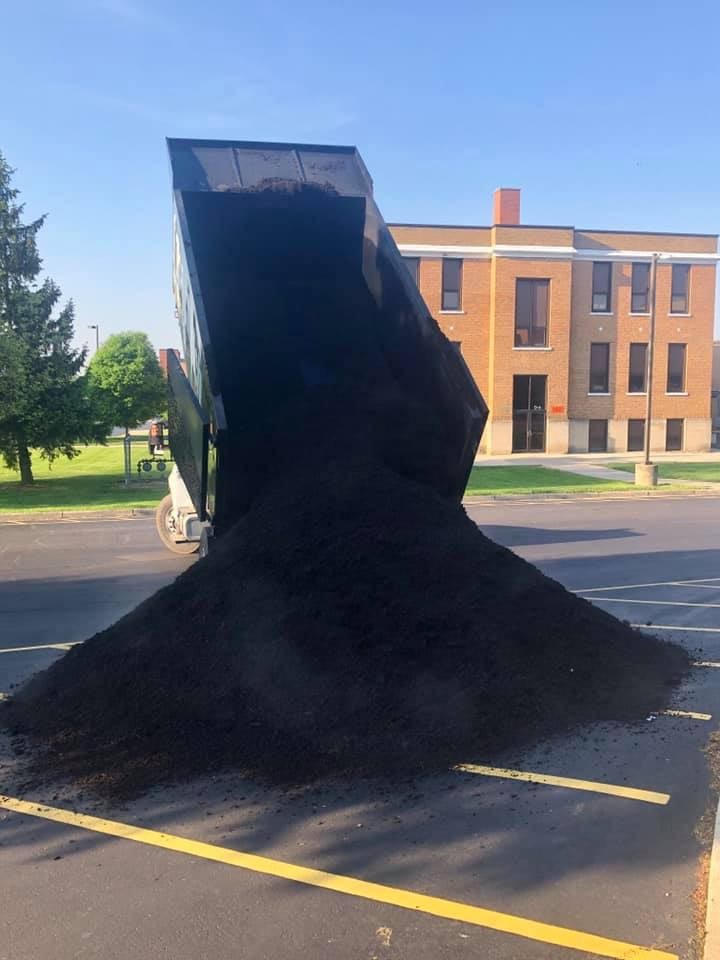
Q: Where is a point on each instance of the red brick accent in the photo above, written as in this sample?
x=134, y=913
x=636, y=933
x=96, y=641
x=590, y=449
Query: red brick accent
x=506, y=206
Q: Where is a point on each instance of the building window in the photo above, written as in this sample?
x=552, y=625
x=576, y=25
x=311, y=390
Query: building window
x=599, y=368
x=597, y=436
x=452, y=284
x=679, y=297
x=676, y=368
x=636, y=435
x=674, y=434
x=413, y=265
x=531, y=312
x=602, y=288
x=640, y=299
x=638, y=368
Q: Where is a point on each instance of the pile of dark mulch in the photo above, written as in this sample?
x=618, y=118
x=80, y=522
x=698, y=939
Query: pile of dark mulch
x=353, y=622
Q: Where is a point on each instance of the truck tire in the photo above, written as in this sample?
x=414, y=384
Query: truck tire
x=164, y=525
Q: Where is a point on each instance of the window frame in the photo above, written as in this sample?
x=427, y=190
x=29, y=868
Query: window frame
x=674, y=420
x=686, y=268
x=535, y=282
x=608, y=293
x=631, y=420
x=681, y=390
x=646, y=266
x=445, y=290
x=604, y=447
x=606, y=389
x=416, y=274
x=645, y=370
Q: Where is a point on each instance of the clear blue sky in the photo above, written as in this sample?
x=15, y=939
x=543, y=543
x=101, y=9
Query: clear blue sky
x=606, y=114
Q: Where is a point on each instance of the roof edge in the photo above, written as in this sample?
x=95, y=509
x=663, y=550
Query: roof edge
x=548, y=226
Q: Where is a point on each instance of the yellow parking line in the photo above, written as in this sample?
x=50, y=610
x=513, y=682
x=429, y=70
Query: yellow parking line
x=379, y=893
x=688, y=714
x=41, y=646
x=612, y=789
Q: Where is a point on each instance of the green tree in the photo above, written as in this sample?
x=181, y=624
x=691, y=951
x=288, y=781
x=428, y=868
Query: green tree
x=126, y=382
x=44, y=404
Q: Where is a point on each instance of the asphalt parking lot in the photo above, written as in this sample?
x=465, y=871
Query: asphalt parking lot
x=590, y=845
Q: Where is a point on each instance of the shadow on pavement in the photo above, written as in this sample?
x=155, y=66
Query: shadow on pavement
x=513, y=536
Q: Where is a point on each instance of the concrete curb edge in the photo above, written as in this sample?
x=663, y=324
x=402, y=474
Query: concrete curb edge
x=712, y=916
x=43, y=516
x=628, y=494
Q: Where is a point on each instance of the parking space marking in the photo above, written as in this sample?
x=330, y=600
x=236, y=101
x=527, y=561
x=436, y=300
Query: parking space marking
x=678, y=627
x=42, y=646
x=656, y=603
x=379, y=893
x=706, y=663
x=659, y=583
x=613, y=790
x=696, y=586
x=3, y=696
x=687, y=714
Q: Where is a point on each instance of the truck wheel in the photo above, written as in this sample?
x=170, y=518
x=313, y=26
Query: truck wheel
x=166, y=528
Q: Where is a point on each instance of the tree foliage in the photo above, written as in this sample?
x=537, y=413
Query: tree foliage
x=126, y=382
x=44, y=401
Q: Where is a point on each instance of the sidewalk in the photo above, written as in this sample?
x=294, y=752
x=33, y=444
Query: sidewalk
x=569, y=461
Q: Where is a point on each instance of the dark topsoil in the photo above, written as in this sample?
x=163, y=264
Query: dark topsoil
x=353, y=621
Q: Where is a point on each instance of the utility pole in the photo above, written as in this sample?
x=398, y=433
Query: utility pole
x=96, y=328
x=646, y=472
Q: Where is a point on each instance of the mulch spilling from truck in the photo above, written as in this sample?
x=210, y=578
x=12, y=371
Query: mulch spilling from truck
x=352, y=622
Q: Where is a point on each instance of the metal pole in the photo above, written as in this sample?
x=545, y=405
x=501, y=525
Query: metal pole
x=96, y=328
x=650, y=352
x=128, y=457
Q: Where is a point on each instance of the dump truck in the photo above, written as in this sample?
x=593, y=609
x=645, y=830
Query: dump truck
x=287, y=285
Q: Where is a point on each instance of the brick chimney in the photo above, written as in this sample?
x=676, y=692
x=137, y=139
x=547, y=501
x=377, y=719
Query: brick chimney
x=506, y=206
x=162, y=357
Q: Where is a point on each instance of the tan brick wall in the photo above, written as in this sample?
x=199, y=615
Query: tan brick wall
x=509, y=361
x=470, y=327
x=487, y=324
x=454, y=236
x=653, y=242
x=534, y=236
x=621, y=329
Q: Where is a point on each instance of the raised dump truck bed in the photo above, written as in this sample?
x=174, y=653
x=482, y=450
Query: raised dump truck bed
x=291, y=294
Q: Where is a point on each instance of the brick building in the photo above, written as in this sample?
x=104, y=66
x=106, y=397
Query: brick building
x=554, y=324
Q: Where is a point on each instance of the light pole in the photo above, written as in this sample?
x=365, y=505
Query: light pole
x=96, y=328
x=646, y=472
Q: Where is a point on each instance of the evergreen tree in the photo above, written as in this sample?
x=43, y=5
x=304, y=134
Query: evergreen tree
x=44, y=402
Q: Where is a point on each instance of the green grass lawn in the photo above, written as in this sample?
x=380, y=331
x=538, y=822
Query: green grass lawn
x=520, y=479
x=700, y=472
x=91, y=481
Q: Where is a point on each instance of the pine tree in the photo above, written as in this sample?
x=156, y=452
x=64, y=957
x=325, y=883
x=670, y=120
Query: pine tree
x=44, y=401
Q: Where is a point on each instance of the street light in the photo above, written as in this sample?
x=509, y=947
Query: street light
x=96, y=328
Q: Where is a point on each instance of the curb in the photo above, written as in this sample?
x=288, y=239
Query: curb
x=712, y=917
x=46, y=516
x=629, y=494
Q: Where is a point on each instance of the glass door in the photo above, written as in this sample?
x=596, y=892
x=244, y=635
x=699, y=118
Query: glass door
x=529, y=413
